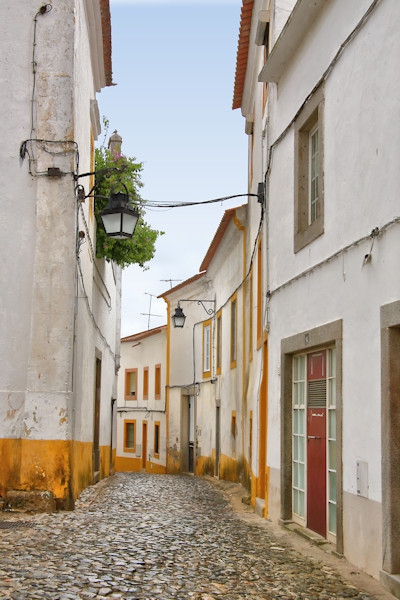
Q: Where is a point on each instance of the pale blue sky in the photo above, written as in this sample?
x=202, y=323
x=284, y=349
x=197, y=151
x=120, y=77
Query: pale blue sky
x=174, y=66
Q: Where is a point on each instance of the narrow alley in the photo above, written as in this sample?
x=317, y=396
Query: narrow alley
x=142, y=536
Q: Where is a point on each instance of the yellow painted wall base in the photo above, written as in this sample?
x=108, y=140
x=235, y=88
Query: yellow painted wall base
x=258, y=485
x=114, y=454
x=229, y=468
x=62, y=467
x=173, y=461
x=253, y=490
x=204, y=466
x=82, y=457
x=152, y=467
x=134, y=465
x=126, y=464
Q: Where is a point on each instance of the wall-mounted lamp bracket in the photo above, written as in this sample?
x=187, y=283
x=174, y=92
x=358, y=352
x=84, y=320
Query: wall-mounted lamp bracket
x=99, y=172
x=178, y=318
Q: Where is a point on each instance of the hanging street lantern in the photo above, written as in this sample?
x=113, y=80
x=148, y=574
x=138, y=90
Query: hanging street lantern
x=119, y=216
x=178, y=318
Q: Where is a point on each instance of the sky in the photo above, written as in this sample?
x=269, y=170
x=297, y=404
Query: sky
x=174, y=67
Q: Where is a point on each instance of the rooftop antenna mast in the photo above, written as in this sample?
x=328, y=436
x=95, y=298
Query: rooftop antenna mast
x=170, y=281
x=149, y=314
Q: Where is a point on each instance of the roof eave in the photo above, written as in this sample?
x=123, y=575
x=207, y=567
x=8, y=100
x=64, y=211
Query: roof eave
x=242, y=52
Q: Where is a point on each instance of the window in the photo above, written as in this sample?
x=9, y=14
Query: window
x=233, y=332
x=129, y=436
x=145, y=383
x=308, y=180
x=219, y=342
x=233, y=424
x=130, y=384
x=266, y=53
x=157, y=382
x=313, y=196
x=157, y=439
x=207, y=349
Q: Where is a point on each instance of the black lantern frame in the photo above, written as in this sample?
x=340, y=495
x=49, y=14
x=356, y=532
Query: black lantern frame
x=119, y=216
x=179, y=317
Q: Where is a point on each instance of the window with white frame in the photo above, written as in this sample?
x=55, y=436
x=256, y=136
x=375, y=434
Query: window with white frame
x=314, y=207
x=308, y=172
x=207, y=349
x=233, y=332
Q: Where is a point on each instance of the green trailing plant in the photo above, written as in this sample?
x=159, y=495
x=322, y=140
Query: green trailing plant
x=111, y=172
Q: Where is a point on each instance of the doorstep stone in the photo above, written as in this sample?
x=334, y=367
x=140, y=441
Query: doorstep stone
x=259, y=507
x=391, y=582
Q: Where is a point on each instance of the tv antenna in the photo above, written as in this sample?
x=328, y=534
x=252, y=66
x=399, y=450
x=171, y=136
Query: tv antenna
x=170, y=281
x=149, y=314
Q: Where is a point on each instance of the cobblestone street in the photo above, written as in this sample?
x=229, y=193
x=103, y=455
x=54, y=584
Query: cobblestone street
x=160, y=537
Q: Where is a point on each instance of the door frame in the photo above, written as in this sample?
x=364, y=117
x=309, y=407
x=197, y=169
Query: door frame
x=96, y=419
x=330, y=334
x=390, y=397
x=144, y=444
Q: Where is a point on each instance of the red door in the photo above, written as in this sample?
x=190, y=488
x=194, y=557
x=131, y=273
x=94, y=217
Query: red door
x=316, y=443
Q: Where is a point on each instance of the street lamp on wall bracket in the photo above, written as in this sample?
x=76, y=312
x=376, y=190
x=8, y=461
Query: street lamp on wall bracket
x=179, y=317
x=119, y=216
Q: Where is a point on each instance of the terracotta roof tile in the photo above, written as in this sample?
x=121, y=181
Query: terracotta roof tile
x=242, y=52
x=106, y=30
x=143, y=334
x=219, y=234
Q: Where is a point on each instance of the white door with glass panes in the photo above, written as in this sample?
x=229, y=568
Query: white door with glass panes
x=314, y=441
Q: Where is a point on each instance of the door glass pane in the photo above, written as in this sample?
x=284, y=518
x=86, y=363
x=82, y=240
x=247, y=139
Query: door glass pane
x=332, y=454
x=332, y=486
x=295, y=448
x=302, y=367
x=332, y=518
x=295, y=421
x=301, y=453
x=332, y=424
x=296, y=501
x=332, y=362
x=332, y=392
x=130, y=435
x=332, y=376
x=302, y=414
x=301, y=504
x=301, y=476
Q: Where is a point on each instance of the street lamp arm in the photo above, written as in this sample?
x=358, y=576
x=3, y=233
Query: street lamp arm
x=209, y=311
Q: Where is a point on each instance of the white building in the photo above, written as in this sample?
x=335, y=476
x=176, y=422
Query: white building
x=317, y=84
x=213, y=380
x=60, y=305
x=141, y=410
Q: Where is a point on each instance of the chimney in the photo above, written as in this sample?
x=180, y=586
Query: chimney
x=114, y=144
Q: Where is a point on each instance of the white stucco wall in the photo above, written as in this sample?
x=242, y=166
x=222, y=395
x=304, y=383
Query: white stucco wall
x=359, y=172
x=53, y=326
x=148, y=351
x=361, y=179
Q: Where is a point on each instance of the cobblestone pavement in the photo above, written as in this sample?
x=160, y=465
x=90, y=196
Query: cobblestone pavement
x=145, y=536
